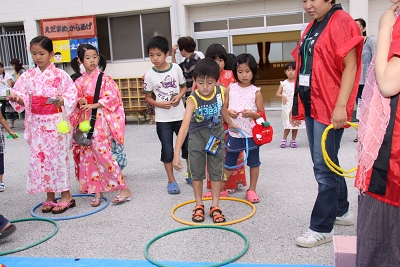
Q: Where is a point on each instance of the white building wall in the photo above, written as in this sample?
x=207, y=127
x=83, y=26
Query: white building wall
x=29, y=12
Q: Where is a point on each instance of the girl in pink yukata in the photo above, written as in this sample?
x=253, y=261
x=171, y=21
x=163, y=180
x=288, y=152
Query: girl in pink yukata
x=95, y=165
x=49, y=163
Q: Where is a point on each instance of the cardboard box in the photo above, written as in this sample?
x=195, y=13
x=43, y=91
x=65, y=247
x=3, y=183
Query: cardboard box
x=345, y=251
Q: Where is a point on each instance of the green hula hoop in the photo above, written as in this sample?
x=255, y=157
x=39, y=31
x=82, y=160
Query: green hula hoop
x=146, y=250
x=2, y=253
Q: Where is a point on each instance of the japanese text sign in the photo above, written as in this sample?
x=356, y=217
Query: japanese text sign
x=64, y=28
x=74, y=43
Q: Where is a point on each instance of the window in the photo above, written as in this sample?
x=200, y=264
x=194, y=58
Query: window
x=249, y=49
x=246, y=23
x=121, y=38
x=211, y=25
x=103, y=38
x=125, y=37
x=285, y=19
x=162, y=28
x=13, y=45
x=281, y=51
x=205, y=43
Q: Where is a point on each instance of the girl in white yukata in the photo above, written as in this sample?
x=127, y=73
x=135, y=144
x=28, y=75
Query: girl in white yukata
x=48, y=95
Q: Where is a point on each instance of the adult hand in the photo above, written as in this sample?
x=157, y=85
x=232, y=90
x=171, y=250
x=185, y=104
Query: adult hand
x=388, y=17
x=339, y=117
x=293, y=121
x=175, y=47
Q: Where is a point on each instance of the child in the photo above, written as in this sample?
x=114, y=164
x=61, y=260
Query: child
x=6, y=228
x=286, y=92
x=49, y=162
x=168, y=84
x=3, y=123
x=218, y=53
x=245, y=104
x=378, y=175
x=6, y=83
x=186, y=46
x=203, y=120
x=95, y=166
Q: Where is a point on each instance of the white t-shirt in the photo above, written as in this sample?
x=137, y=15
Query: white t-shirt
x=199, y=53
x=4, y=83
x=164, y=84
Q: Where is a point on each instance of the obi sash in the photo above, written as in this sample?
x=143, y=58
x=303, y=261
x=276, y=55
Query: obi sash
x=90, y=99
x=40, y=107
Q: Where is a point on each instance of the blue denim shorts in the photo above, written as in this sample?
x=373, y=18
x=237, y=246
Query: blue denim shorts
x=235, y=145
x=165, y=132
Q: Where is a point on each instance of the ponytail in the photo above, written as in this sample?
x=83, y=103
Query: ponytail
x=76, y=67
x=102, y=63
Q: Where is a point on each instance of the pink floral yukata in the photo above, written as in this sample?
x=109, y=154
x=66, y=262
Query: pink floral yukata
x=95, y=167
x=49, y=169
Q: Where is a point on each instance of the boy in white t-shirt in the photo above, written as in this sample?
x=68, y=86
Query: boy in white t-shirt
x=166, y=81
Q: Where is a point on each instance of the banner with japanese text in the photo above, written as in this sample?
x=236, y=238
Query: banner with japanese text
x=74, y=43
x=65, y=28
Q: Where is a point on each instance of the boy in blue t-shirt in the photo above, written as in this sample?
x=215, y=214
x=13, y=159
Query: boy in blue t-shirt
x=166, y=81
x=206, y=136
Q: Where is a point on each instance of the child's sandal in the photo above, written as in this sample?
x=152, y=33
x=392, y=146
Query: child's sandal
x=293, y=144
x=283, y=143
x=196, y=215
x=217, y=218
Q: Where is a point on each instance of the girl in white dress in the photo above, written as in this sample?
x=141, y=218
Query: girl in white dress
x=286, y=92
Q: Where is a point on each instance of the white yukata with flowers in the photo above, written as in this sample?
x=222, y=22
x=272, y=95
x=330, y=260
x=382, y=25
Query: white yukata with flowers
x=49, y=169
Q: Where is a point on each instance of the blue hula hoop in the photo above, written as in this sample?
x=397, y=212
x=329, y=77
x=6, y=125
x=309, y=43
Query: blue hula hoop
x=246, y=150
x=75, y=216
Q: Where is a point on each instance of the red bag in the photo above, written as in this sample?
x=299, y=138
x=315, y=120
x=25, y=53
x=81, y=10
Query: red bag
x=262, y=132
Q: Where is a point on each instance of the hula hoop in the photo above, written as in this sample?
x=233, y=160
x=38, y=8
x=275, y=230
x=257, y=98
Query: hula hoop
x=331, y=165
x=75, y=216
x=146, y=250
x=247, y=150
x=220, y=224
x=2, y=253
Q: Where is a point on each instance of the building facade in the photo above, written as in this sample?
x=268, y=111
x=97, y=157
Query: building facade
x=268, y=29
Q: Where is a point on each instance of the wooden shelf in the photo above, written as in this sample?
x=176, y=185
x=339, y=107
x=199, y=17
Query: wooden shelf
x=133, y=99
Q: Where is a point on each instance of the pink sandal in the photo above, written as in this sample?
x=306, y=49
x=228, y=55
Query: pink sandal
x=221, y=194
x=293, y=144
x=252, y=196
x=283, y=143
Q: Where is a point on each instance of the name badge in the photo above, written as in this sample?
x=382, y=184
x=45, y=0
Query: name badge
x=304, y=80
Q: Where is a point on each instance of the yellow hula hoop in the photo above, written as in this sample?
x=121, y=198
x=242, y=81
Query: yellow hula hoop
x=220, y=224
x=331, y=165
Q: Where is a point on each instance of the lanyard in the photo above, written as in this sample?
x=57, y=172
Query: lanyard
x=305, y=48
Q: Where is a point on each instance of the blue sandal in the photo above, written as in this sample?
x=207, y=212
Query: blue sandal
x=188, y=179
x=173, y=188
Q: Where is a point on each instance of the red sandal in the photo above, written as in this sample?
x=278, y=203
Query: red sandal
x=217, y=217
x=196, y=214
